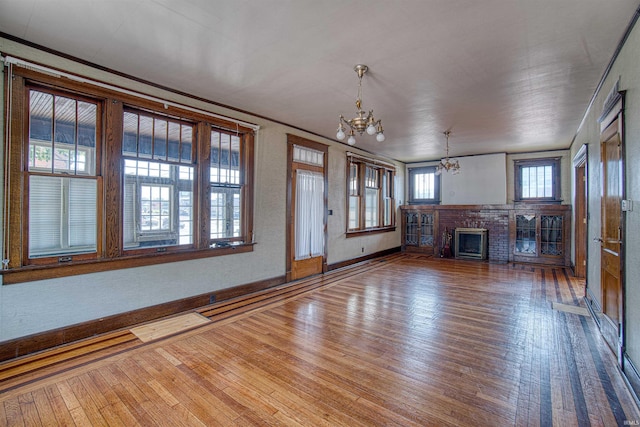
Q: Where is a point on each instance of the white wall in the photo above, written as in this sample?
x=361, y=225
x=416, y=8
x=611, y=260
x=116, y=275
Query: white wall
x=28, y=308
x=627, y=68
x=482, y=180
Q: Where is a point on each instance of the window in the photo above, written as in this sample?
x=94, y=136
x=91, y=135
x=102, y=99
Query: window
x=370, y=200
x=537, y=180
x=158, y=181
x=98, y=176
x=424, y=185
x=61, y=175
x=226, y=187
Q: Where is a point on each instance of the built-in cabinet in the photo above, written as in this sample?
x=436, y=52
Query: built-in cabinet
x=418, y=229
x=517, y=233
x=540, y=235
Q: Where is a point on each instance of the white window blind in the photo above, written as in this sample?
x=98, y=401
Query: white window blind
x=62, y=215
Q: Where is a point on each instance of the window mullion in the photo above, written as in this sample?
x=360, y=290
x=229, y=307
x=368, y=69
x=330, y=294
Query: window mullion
x=202, y=190
x=362, y=200
x=381, y=203
x=111, y=168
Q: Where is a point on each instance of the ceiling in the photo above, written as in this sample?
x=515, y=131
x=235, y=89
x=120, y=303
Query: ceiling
x=502, y=75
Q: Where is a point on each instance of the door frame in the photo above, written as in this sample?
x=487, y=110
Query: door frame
x=581, y=213
x=290, y=224
x=615, y=339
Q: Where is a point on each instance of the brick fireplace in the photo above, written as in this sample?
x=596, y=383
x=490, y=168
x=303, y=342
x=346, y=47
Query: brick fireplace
x=496, y=221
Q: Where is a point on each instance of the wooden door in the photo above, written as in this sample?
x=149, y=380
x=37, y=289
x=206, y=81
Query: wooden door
x=611, y=239
x=307, y=180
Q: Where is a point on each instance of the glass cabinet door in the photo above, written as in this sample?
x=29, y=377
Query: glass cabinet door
x=426, y=229
x=411, y=229
x=551, y=241
x=526, y=235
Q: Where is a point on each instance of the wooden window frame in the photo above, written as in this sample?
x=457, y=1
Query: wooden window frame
x=555, y=163
x=361, y=166
x=436, y=200
x=109, y=173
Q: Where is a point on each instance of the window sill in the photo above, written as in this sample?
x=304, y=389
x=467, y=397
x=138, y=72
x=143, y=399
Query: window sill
x=537, y=202
x=369, y=231
x=423, y=202
x=41, y=272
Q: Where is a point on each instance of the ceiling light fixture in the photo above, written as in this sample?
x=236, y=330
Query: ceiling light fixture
x=362, y=121
x=446, y=164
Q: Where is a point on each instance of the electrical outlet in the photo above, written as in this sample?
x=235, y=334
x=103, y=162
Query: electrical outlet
x=627, y=206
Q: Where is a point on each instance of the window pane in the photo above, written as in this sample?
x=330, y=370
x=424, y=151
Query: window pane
x=308, y=155
x=537, y=181
x=225, y=213
x=62, y=216
x=40, y=130
x=145, y=136
x=185, y=216
x=159, y=138
x=234, y=160
x=62, y=134
x=160, y=129
x=130, y=138
x=186, y=144
x=353, y=180
x=173, y=142
x=225, y=153
x=354, y=212
x=371, y=208
x=158, y=204
x=424, y=185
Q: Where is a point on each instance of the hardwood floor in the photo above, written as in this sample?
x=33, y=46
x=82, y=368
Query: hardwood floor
x=405, y=341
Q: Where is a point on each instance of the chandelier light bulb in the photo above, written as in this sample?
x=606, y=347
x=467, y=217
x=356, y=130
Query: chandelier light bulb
x=380, y=137
x=340, y=135
x=351, y=140
x=371, y=129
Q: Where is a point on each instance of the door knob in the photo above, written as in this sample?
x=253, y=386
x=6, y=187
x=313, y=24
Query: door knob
x=598, y=239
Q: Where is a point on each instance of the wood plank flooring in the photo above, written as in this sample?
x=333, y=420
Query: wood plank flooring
x=400, y=341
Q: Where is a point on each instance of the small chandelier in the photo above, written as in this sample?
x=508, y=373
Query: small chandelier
x=446, y=164
x=362, y=121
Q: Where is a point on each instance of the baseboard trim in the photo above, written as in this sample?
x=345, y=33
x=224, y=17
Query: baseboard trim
x=349, y=262
x=632, y=378
x=593, y=306
x=30, y=344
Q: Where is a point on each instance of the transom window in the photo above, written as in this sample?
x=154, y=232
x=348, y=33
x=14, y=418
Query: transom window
x=370, y=200
x=537, y=180
x=424, y=185
x=168, y=180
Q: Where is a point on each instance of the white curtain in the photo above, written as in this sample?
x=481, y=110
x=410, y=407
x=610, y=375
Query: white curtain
x=309, y=214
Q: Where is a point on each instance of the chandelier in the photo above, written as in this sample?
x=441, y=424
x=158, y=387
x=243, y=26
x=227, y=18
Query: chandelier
x=362, y=121
x=446, y=164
